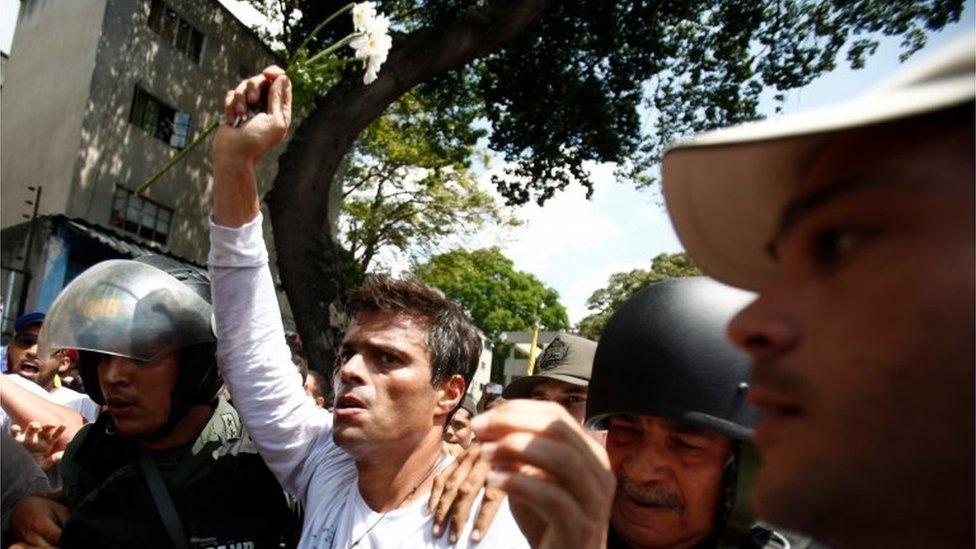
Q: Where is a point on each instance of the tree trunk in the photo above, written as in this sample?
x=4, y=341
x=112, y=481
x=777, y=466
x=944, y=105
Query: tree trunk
x=308, y=260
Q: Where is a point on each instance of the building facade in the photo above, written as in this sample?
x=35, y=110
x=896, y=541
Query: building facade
x=97, y=95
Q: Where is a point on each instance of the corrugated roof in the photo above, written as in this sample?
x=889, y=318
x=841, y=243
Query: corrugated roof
x=124, y=245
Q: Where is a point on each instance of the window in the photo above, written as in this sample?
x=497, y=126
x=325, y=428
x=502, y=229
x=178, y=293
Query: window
x=159, y=119
x=141, y=216
x=175, y=30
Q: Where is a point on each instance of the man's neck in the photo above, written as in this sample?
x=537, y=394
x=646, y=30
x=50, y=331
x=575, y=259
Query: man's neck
x=389, y=483
x=185, y=431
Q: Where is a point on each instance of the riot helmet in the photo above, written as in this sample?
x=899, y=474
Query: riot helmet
x=664, y=353
x=141, y=309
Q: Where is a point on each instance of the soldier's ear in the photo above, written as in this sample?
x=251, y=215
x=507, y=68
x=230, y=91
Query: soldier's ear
x=449, y=394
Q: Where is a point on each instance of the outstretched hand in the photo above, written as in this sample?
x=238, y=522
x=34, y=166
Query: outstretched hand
x=557, y=476
x=40, y=441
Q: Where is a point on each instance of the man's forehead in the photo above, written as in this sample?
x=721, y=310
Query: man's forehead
x=386, y=327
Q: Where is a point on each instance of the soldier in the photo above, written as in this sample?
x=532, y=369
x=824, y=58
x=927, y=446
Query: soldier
x=169, y=464
x=855, y=224
x=561, y=375
x=670, y=391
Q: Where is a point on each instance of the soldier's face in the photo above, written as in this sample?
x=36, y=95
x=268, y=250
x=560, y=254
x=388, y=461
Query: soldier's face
x=863, y=348
x=138, y=393
x=569, y=396
x=669, y=480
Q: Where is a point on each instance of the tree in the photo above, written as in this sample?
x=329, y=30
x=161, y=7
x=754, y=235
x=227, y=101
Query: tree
x=562, y=84
x=605, y=301
x=498, y=297
x=409, y=185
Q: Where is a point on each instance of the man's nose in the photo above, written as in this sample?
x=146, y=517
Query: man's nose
x=764, y=329
x=353, y=370
x=113, y=370
x=649, y=463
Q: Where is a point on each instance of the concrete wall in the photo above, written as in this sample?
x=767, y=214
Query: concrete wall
x=115, y=152
x=73, y=69
x=44, y=99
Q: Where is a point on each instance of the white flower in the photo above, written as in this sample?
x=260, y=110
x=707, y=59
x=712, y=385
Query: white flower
x=363, y=14
x=374, y=42
x=371, y=45
x=378, y=25
x=372, y=65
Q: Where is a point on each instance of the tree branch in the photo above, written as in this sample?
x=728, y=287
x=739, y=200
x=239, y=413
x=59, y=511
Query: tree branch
x=300, y=197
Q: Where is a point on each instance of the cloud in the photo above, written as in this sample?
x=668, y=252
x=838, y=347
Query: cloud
x=574, y=244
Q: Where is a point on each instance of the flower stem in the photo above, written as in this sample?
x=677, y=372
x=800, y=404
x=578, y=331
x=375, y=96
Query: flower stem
x=332, y=48
x=320, y=26
x=179, y=156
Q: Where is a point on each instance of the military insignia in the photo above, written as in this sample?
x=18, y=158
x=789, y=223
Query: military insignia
x=554, y=355
x=230, y=425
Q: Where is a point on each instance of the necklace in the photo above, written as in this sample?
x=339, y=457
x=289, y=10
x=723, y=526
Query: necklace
x=402, y=501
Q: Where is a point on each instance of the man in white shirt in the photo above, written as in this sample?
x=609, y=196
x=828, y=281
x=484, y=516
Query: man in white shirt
x=23, y=360
x=363, y=471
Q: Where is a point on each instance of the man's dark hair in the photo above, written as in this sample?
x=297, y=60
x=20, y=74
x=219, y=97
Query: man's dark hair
x=454, y=343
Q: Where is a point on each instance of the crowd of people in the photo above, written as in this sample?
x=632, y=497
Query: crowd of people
x=815, y=389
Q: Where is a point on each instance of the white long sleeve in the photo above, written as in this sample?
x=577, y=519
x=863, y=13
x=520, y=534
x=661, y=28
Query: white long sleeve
x=292, y=434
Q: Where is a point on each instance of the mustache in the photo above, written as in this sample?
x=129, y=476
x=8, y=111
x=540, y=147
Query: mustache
x=651, y=494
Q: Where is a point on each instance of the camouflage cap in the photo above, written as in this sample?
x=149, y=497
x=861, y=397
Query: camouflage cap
x=567, y=358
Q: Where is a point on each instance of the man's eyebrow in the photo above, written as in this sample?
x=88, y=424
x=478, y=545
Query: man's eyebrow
x=801, y=206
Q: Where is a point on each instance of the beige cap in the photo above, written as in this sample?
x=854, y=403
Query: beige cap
x=725, y=189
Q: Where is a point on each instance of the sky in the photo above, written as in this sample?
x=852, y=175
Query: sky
x=574, y=244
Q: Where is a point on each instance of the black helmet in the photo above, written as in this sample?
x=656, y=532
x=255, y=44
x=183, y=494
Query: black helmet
x=141, y=309
x=664, y=352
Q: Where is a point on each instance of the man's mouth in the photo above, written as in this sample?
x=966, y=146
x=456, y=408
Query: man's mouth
x=120, y=406
x=775, y=409
x=350, y=404
x=29, y=369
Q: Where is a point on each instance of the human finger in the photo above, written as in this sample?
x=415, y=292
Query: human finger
x=464, y=502
x=54, y=433
x=530, y=416
x=276, y=101
x=230, y=110
x=450, y=493
x=240, y=100
x=491, y=501
x=272, y=71
x=554, y=505
x=252, y=90
x=440, y=480
x=286, y=98
x=17, y=432
x=32, y=434
x=583, y=473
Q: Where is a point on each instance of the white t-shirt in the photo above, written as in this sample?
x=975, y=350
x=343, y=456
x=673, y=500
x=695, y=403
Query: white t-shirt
x=293, y=435
x=79, y=402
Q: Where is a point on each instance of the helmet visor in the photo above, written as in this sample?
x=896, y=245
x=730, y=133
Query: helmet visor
x=126, y=308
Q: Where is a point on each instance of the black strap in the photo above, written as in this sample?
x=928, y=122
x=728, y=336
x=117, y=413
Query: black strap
x=164, y=503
